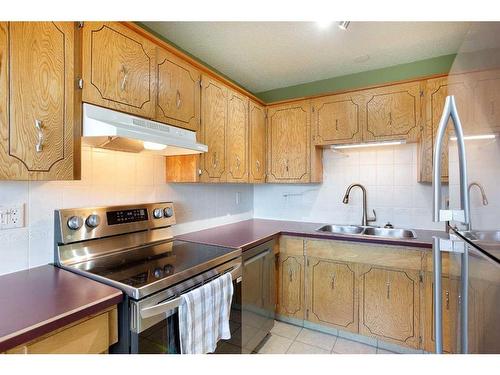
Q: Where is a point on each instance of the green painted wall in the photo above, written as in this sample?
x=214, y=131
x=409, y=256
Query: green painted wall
x=437, y=65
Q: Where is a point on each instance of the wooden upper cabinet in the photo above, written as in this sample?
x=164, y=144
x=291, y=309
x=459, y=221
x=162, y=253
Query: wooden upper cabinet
x=393, y=112
x=332, y=293
x=485, y=102
x=237, y=137
x=390, y=305
x=178, y=91
x=289, y=143
x=257, y=143
x=119, y=68
x=336, y=120
x=214, y=115
x=39, y=106
x=436, y=91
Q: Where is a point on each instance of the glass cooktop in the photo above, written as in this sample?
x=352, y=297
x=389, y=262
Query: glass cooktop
x=146, y=265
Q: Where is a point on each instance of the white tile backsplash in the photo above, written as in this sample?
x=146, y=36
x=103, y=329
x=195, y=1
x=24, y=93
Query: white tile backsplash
x=111, y=178
x=389, y=175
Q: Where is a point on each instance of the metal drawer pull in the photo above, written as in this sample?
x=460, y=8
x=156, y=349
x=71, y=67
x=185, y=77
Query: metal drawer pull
x=290, y=275
x=447, y=300
x=124, y=79
x=178, y=101
x=39, y=128
x=333, y=281
x=237, y=163
x=257, y=164
x=336, y=124
x=388, y=290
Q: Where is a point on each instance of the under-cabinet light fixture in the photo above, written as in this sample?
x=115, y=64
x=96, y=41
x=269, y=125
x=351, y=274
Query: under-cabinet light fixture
x=154, y=146
x=371, y=144
x=343, y=25
x=475, y=137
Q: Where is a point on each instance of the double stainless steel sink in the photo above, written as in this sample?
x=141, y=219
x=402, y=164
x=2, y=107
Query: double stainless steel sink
x=368, y=231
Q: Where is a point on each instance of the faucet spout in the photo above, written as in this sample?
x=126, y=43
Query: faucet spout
x=365, y=220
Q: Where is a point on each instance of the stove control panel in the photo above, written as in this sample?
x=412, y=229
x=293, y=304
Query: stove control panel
x=80, y=224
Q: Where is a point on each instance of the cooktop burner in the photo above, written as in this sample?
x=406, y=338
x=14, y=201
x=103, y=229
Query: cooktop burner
x=146, y=265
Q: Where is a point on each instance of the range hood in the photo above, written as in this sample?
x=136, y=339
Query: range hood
x=113, y=130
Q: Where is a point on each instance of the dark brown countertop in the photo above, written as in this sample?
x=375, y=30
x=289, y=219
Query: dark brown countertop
x=40, y=300
x=248, y=233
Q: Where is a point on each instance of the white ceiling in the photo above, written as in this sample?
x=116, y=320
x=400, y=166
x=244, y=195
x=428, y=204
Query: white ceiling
x=267, y=55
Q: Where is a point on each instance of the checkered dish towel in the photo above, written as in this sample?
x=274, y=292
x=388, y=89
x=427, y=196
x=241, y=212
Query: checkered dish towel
x=204, y=316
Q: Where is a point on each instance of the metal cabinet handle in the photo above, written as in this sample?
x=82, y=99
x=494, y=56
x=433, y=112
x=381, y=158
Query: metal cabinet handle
x=238, y=163
x=41, y=138
x=178, y=101
x=257, y=164
x=333, y=281
x=214, y=159
x=388, y=290
x=450, y=110
x=336, y=124
x=447, y=294
x=290, y=275
x=390, y=119
x=124, y=79
x=286, y=165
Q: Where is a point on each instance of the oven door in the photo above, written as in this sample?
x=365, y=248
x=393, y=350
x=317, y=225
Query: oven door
x=154, y=320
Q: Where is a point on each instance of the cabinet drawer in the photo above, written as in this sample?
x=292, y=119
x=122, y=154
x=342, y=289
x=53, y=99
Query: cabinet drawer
x=387, y=256
x=91, y=336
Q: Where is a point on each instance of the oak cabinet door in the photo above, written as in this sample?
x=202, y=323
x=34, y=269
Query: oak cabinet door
x=389, y=305
x=289, y=142
x=336, y=120
x=332, y=294
x=213, y=130
x=486, y=102
x=119, y=68
x=257, y=140
x=178, y=92
x=436, y=91
x=393, y=113
x=291, y=286
x=39, y=110
x=237, y=138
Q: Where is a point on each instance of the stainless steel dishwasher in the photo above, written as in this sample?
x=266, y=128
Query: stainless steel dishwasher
x=258, y=293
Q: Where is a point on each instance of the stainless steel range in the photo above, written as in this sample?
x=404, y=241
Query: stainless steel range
x=132, y=248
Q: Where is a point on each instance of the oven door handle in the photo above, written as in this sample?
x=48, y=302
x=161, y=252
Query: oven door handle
x=164, y=307
x=161, y=308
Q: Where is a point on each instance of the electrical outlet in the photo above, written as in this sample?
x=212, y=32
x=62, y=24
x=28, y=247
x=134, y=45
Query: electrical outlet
x=12, y=216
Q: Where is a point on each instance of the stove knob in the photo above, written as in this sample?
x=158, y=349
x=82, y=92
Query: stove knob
x=168, y=269
x=168, y=212
x=75, y=222
x=93, y=221
x=158, y=272
x=157, y=213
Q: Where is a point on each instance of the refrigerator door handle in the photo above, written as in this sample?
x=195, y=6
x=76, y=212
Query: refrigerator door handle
x=450, y=110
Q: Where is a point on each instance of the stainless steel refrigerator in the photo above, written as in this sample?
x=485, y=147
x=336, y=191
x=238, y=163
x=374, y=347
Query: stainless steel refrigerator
x=466, y=266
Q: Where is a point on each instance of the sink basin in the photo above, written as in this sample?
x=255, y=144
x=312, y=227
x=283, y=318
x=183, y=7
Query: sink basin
x=389, y=232
x=342, y=229
x=368, y=231
x=487, y=235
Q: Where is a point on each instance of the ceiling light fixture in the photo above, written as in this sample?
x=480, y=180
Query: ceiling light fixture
x=343, y=25
x=371, y=144
x=475, y=137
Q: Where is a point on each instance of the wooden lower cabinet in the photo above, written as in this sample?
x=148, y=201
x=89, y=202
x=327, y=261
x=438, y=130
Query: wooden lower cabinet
x=291, y=278
x=91, y=335
x=390, y=305
x=331, y=293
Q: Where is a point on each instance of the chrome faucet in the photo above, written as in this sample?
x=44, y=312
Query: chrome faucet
x=483, y=197
x=481, y=189
x=365, y=219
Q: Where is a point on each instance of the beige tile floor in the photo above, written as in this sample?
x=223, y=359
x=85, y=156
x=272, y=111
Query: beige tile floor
x=289, y=339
